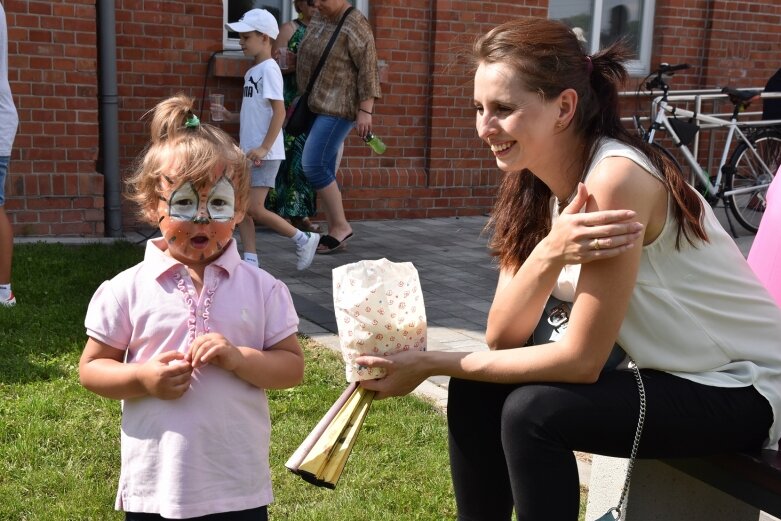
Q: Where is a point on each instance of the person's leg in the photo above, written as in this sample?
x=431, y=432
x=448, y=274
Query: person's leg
x=6, y=239
x=543, y=423
x=319, y=160
x=248, y=243
x=261, y=215
x=477, y=464
x=305, y=242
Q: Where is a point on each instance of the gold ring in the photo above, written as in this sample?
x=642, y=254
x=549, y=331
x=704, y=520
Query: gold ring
x=595, y=245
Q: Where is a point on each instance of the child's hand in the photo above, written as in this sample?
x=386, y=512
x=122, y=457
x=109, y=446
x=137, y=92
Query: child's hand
x=213, y=348
x=166, y=376
x=257, y=155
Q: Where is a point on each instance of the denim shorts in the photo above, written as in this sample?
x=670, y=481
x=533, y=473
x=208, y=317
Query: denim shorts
x=4, y=160
x=323, y=144
x=265, y=174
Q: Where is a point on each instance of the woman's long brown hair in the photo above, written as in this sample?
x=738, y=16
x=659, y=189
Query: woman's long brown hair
x=548, y=59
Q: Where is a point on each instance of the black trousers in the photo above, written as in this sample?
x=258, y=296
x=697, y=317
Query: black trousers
x=253, y=514
x=511, y=445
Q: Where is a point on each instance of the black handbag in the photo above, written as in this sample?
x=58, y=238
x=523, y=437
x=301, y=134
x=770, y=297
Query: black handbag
x=553, y=323
x=299, y=116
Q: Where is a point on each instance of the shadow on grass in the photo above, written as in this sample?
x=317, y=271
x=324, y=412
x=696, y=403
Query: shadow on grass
x=42, y=336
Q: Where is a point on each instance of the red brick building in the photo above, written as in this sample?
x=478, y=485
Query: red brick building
x=434, y=166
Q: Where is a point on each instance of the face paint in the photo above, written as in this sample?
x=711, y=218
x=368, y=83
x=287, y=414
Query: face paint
x=197, y=224
x=221, y=203
x=184, y=203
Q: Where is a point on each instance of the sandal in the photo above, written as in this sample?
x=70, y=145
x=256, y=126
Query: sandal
x=331, y=244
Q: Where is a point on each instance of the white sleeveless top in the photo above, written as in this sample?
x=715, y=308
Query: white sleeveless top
x=699, y=312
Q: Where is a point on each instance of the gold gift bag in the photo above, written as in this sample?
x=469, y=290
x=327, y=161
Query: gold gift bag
x=379, y=311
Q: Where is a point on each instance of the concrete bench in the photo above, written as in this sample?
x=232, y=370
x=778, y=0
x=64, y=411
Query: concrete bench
x=727, y=487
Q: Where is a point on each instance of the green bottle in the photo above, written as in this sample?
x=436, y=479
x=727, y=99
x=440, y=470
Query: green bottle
x=376, y=143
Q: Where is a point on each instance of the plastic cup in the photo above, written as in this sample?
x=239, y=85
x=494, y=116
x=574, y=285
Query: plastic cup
x=216, y=100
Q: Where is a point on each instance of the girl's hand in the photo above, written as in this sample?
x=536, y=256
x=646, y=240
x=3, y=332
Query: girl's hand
x=166, y=376
x=402, y=376
x=215, y=349
x=578, y=238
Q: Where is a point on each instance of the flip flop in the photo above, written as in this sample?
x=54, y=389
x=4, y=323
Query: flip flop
x=332, y=244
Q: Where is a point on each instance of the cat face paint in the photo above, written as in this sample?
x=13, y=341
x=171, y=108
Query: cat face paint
x=197, y=224
x=184, y=203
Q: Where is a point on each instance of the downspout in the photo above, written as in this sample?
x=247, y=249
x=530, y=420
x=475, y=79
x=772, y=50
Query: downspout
x=109, y=120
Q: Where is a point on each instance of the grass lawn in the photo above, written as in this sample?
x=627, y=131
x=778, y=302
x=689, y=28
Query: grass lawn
x=59, y=444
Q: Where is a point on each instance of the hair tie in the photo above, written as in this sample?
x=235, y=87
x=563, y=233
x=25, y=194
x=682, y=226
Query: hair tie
x=192, y=121
x=589, y=65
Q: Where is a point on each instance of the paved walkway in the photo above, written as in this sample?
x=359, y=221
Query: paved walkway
x=456, y=274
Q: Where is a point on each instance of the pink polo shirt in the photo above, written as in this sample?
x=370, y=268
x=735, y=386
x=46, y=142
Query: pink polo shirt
x=207, y=451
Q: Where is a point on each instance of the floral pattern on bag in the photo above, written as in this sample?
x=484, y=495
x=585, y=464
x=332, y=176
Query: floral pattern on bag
x=379, y=311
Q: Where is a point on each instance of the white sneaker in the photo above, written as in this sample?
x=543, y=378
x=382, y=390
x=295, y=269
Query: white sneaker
x=306, y=252
x=11, y=300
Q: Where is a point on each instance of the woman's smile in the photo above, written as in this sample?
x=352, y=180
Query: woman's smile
x=500, y=149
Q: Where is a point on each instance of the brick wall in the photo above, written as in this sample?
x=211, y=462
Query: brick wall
x=53, y=188
x=435, y=165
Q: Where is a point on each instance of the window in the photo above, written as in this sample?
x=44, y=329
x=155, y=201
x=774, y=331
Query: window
x=281, y=9
x=602, y=22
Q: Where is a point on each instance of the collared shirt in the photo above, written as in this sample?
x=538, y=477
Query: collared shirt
x=350, y=73
x=207, y=451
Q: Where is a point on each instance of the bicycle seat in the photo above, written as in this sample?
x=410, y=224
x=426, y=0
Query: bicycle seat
x=741, y=97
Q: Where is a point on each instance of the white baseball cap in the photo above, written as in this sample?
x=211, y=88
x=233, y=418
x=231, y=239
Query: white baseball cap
x=256, y=20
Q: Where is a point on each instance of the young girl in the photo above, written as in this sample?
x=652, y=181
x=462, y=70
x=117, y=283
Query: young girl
x=190, y=337
x=261, y=117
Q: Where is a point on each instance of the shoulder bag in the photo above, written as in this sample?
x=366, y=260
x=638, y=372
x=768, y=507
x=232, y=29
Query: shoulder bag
x=551, y=327
x=299, y=116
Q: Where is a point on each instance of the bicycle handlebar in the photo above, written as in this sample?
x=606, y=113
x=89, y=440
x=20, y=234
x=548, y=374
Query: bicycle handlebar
x=659, y=74
x=667, y=68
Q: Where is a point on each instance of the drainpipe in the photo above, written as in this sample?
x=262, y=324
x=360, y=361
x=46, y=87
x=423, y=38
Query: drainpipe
x=109, y=120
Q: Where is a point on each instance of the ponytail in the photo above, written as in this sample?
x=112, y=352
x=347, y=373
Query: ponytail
x=182, y=148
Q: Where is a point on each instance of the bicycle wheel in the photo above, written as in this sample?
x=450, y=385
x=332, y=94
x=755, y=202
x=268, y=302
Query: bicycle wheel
x=746, y=172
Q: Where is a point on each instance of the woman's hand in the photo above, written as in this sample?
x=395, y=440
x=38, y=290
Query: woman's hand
x=215, y=349
x=578, y=238
x=403, y=373
x=363, y=123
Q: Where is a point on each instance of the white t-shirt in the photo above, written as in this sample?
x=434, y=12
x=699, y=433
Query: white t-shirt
x=9, y=120
x=262, y=82
x=699, y=312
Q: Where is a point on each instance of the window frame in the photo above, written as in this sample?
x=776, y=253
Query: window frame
x=642, y=65
x=232, y=44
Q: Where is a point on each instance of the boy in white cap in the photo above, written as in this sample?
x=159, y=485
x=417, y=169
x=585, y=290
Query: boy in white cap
x=260, y=124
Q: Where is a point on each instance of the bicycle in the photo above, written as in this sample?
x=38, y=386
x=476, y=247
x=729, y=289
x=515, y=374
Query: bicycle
x=743, y=177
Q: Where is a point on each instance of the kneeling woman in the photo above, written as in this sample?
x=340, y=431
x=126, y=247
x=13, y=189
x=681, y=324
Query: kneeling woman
x=673, y=291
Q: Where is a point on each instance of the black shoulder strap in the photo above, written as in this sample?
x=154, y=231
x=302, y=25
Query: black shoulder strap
x=327, y=50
